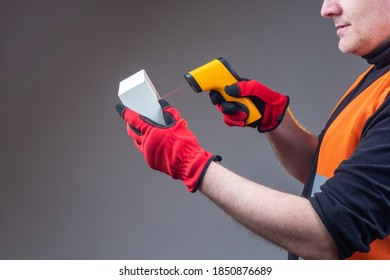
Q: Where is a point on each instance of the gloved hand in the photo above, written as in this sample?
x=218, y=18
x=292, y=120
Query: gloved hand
x=172, y=149
x=271, y=105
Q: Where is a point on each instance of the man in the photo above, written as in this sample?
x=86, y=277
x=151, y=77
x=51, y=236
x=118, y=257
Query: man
x=344, y=211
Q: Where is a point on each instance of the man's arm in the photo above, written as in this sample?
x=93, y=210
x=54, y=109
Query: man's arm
x=286, y=220
x=294, y=147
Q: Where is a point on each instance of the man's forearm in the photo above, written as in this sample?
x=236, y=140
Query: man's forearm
x=286, y=220
x=294, y=147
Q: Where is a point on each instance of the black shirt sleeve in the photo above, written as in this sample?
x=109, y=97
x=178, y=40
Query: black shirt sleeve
x=354, y=205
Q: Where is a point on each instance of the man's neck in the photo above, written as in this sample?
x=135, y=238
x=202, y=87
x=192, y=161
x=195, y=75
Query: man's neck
x=379, y=57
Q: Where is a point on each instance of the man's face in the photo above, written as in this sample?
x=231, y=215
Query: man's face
x=362, y=25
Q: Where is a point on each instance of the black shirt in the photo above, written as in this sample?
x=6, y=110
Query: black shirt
x=366, y=175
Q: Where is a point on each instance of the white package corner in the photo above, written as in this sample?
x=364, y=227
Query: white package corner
x=138, y=93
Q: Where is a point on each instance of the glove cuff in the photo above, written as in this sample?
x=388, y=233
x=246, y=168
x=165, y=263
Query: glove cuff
x=200, y=165
x=274, y=114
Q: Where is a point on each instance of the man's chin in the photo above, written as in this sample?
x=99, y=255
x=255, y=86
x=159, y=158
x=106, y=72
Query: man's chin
x=348, y=48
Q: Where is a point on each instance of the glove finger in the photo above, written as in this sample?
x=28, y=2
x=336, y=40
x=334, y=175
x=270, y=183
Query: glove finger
x=134, y=132
x=238, y=117
x=131, y=130
x=235, y=121
x=138, y=123
x=216, y=97
x=170, y=113
x=131, y=116
x=164, y=104
x=136, y=135
x=228, y=108
x=232, y=108
x=120, y=108
x=244, y=88
x=250, y=88
x=233, y=90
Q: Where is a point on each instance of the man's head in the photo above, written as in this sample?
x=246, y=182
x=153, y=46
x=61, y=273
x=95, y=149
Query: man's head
x=362, y=25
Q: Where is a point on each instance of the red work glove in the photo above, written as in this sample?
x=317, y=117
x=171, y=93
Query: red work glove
x=271, y=105
x=171, y=148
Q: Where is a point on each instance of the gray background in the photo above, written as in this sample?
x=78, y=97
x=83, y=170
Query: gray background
x=72, y=184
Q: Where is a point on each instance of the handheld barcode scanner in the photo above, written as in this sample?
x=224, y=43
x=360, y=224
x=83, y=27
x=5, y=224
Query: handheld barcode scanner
x=215, y=75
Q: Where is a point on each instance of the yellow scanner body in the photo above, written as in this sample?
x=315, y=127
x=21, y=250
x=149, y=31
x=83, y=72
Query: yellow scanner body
x=216, y=75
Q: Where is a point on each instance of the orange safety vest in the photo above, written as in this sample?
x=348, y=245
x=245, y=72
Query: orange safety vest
x=342, y=138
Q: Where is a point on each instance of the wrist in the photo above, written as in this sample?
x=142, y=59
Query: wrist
x=194, y=176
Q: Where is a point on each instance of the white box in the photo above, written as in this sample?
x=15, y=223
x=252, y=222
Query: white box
x=138, y=93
